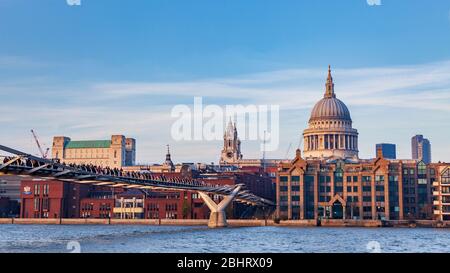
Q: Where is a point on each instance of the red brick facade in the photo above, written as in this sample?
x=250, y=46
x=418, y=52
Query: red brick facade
x=54, y=199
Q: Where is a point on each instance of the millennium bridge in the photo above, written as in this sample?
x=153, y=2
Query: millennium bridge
x=25, y=165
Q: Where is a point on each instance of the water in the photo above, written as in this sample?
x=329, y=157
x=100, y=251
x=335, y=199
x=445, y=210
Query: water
x=156, y=239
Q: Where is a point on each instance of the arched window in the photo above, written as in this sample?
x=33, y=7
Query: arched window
x=421, y=168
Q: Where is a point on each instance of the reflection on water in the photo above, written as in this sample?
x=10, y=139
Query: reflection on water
x=111, y=238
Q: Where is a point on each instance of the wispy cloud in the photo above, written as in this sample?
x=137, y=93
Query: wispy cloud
x=14, y=62
x=411, y=85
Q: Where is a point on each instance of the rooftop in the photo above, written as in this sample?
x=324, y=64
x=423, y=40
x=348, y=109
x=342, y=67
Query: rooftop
x=88, y=144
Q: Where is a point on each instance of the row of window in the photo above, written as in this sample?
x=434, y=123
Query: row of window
x=37, y=189
x=41, y=204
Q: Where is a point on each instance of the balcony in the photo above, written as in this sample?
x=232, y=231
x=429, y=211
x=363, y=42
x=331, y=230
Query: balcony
x=435, y=184
x=436, y=193
x=436, y=202
x=437, y=212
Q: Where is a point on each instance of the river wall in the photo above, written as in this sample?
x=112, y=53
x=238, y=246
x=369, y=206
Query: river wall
x=231, y=222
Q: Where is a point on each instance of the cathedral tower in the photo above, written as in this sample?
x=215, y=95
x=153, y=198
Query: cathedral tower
x=231, y=152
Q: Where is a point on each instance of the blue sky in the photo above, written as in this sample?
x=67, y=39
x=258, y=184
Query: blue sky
x=109, y=67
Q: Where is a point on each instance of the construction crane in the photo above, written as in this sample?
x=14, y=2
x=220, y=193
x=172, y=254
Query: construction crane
x=264, y=152
x=288, y=150
x=43, y=154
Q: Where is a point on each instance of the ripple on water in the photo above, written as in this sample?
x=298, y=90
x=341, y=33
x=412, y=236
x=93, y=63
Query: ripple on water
x=40, y=238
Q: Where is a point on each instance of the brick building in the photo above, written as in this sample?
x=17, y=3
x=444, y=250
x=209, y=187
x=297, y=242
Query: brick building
x=364, y=189
x=152, y=205
x=53, y=199
x=42, y=198
x=441, y=192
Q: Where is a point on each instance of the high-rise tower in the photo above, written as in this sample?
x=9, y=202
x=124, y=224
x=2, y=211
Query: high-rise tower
x=421, y=148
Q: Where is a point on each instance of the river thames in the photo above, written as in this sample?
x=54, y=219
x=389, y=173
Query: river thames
x=169, y=239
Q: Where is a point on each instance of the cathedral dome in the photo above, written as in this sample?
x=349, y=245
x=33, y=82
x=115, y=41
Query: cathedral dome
x=330, y=133
x=330, y=107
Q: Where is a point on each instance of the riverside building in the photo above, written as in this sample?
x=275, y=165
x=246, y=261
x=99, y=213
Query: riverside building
x=330, y=181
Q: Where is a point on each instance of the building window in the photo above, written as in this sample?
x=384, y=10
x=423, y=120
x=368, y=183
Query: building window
x=45, y=204
x=46, y=188
x=422, y=181
x=37, y=189
x=421, y=168
x=379, y=178
x=36, y=204
x=393, y=178
x=283, y=178
x=295, y=178
x=445, y=177
x=366, y=179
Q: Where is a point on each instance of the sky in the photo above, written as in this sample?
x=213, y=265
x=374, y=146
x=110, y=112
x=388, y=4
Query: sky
x=118, y=67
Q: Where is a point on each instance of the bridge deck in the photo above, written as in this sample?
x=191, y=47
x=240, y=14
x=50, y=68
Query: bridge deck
x=24, y=164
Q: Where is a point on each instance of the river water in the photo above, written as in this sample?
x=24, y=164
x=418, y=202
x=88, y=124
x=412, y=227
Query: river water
x=157, y=239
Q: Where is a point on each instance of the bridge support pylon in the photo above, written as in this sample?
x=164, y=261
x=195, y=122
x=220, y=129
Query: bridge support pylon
x=217, y=217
